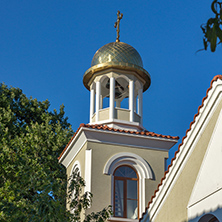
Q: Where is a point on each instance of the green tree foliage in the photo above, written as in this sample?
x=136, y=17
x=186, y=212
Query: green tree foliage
x=212, y=29
x=32, y=183
x=79, y=201
x=33, y=186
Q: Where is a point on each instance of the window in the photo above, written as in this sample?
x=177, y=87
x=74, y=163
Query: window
x=214, y=219
x=126, y=202
x=143, y=172
x=208, y=218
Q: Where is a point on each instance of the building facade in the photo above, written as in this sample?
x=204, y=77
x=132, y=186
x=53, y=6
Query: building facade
x=121, y=162
x=191, y=189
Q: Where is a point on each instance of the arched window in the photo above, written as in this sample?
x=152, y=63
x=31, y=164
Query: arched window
x=126, y=201
x=138, y=164
x=214, y=219
x=208, y=218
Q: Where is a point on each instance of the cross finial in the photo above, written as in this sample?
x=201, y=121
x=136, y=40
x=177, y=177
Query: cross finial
x=116, y=25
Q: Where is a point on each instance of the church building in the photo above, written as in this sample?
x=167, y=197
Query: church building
x=191, y=189
x=124, y=165
x=121, y=162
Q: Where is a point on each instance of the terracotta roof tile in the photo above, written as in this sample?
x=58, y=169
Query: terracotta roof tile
x=105, y=127
x=175, y=155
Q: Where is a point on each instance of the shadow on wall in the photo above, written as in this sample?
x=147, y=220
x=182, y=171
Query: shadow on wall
x=212, y=216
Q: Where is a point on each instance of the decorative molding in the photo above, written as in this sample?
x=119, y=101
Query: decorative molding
x=171, y=140
x=76, y=164
x=139, y=164
x=88, y=170
x=104, y=134
x=209, y=180
x=118, y=219
x=201, y=119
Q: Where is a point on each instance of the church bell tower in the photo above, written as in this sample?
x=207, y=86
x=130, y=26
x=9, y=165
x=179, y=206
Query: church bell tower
x=117, y=78
x=121, y=162
x=116, y=81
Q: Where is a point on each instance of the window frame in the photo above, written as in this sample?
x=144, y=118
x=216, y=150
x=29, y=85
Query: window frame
x=141, y=166
x=125, y=179
x=209, y=218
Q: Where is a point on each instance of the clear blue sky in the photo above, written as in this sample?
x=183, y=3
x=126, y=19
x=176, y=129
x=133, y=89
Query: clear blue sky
x=47, y=45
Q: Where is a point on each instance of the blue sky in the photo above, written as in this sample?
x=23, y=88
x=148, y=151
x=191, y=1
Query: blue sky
x=47, y=45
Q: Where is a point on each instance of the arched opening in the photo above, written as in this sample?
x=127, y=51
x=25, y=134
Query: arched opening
x=142, y=168
x=116, y=98
x=208, y=218
x=104, y=92
x=121, y=92
x=76, y=166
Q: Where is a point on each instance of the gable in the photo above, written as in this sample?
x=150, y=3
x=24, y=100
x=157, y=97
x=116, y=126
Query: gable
x=206, y=194
x=172, y=196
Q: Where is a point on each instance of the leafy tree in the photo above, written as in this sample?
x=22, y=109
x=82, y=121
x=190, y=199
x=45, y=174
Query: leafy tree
x=212, y=29
x=79, y=201
x=33, y=186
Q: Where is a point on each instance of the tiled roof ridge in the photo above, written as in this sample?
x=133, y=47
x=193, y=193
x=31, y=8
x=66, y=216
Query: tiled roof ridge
x=145, y=132
x=175, y=155
x=105, y=127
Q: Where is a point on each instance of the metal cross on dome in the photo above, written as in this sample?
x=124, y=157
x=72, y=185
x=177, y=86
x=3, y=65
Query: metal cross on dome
x=116, y=25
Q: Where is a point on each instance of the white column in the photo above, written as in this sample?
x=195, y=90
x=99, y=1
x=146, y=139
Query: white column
x=92, y=104
x=135, y=103
x=88, y=170
x=118, y=103
x=131, y=100
x=140, y=104
x=98, y=92
x=112, y=98
x=101, y=101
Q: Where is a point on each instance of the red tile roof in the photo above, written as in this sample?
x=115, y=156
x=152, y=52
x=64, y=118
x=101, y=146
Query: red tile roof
x=105, y=127
x=175, y=155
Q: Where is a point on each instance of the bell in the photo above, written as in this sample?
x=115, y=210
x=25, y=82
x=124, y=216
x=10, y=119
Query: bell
x=119, y=90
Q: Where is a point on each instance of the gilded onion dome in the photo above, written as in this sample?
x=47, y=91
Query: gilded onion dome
x=117, y=55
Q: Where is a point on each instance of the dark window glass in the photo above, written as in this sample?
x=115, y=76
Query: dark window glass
x=132, y=189
x=125, y=171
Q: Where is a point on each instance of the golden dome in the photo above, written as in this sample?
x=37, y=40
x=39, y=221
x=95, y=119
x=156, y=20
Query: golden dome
x=117, y=55
x=116, y=52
